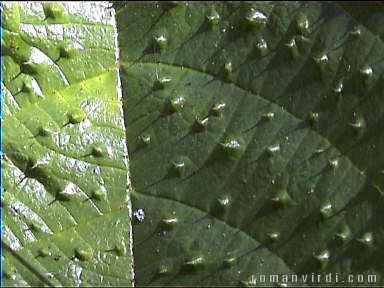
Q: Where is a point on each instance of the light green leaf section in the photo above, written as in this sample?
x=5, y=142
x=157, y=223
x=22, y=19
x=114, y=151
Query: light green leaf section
x=255, y=133
x=65, y=202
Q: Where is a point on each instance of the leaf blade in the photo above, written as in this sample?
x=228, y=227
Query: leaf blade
x=305, y=158
x=65, y=169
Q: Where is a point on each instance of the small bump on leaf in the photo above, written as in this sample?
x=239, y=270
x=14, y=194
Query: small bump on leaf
x=229, y=262
x=356, y=32
x=313, y=118
x=76, y=116
x=291, y=48
x=344, y=235
x=98, y=195
x=366, y=239
x=326, y=210
x=29, y=68
x=163, y=82
x=44, y=132
x=200, y=125
x=169, y=223
x=120, y=248
x=302, y=24
x=194, y=264
x=221, y=206
x=9, y=272
x=63, y=196
x=358, y=125
x=67, y=51
x=33, y=226
x=175, y=104
x=333, y=163
x=26, y=88
x=227, y=70
x=232, y=146
x=44, y=252
x=218, y=109
x=255, y=19
x=321, y=59
x=83, y=254
x=160, y=42
x=282, y=198
x=323, y=258
x=268, y=116
x=338, y=88
x=213, y=18
x=261, y=47
x=366, y=72
x=164, y=269
x=97, y=150
x=53, y=10
x=181, y=166
x=145, y=139
x=273, y=149
x=273, y=236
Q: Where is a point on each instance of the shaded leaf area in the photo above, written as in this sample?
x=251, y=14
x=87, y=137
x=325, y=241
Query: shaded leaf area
x=65, y=205
x=254, y=134
x=368, y=13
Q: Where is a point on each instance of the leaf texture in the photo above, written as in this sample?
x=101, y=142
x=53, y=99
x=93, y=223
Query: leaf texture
x=255, y=133
x=65, y=202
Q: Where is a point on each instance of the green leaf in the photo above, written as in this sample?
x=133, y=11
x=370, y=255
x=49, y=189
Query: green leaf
x=255, y=139
x=65, y=203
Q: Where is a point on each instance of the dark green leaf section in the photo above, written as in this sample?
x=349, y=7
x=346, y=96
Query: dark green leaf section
x=66, y=208
x=254, y=132
x=367, y=13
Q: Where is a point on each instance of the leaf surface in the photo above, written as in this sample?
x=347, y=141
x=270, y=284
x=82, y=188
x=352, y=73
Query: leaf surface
x=255, y=133
x=65, y=202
